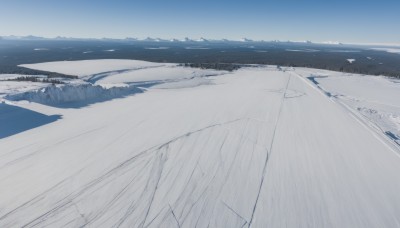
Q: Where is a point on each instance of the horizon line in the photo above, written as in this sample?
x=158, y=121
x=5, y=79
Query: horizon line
x=187, y=39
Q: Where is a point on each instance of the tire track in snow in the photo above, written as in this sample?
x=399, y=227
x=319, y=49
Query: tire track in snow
x=375, y=130
x=68, y=201
x=96, y=77
x=269, y=152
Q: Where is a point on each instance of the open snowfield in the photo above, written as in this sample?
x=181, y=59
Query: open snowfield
x=390, y=50
x=258, y=147
x=11, y=87
x=89, y=67
x=374, y=98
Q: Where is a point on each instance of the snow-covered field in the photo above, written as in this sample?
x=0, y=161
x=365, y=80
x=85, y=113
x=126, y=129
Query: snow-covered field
x=390, y=50
x=374, y=98
x=260, y=147
x=14, y=87
x=90, y=67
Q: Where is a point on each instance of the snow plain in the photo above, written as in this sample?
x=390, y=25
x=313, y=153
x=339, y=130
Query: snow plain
x=13, y=87
x=390, y=50
x=375, y=98
x=90, y=67
x=260, y=147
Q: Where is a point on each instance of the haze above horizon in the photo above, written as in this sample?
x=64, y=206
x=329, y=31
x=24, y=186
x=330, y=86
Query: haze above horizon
x=353, y=22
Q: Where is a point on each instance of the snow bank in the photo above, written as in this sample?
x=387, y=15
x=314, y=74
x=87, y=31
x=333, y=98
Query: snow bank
x=106, y=79
x=53, y=95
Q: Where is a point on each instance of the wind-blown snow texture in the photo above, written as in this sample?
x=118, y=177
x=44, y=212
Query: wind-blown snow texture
x=261, y=147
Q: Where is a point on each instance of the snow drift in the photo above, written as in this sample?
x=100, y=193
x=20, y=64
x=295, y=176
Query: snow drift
x=55, y=95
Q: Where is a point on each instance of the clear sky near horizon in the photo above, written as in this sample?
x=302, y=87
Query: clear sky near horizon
x=360, y=21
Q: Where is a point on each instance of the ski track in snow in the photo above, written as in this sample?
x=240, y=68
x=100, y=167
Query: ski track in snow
x=259, y=147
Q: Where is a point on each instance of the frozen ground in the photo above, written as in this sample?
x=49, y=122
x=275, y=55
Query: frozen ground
x=260, y=147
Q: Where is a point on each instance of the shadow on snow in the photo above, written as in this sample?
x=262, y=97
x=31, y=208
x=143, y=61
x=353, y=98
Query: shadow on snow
x=74, y=96
x=14, y=120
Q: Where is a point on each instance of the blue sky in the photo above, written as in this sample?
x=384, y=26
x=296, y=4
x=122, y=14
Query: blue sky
x=362, y=21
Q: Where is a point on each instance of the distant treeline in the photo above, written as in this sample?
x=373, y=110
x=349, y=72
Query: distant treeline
x=215, y=66
x=346, y=68
x=213, y=56
x=35, y=79
x=352, y=68
x=25, y=71
x=357, y=68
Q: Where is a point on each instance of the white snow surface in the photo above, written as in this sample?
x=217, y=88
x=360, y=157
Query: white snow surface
x=163, y=73
x=123, y=72
x=390, y=50
x=157, y=48
x=40, y=49
x=90, y=67
x=121, y=78
x=14, y=87
x=260, y=147
x=375, y=98
x=302, y=50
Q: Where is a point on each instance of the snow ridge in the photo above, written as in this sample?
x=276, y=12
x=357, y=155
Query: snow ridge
x=54, y=95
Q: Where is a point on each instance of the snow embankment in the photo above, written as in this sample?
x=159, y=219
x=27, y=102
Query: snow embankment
x=105, y=79
x=55, y=95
